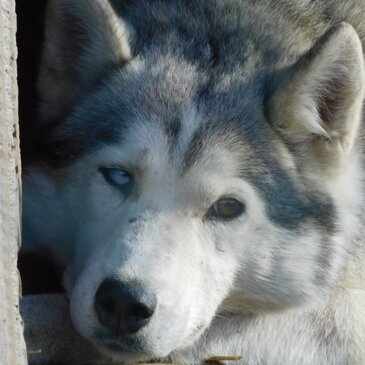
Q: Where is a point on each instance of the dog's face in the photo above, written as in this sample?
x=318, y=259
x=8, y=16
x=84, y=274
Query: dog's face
x=177, y=200
x=180, y=217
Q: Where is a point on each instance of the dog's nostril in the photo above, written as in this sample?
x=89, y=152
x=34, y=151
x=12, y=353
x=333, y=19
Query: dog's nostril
x=141, y=311
x=124, y=307
x=108, y=306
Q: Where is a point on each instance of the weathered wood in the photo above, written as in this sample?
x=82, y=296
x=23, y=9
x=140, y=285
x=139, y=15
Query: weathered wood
x=12, y=346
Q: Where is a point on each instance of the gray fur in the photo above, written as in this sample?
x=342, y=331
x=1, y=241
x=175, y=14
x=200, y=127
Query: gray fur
x=202, y=100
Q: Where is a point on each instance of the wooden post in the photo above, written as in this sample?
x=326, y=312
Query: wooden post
x=12, y=346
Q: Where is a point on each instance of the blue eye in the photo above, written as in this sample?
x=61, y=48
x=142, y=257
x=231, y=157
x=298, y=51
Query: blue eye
x=118, y=178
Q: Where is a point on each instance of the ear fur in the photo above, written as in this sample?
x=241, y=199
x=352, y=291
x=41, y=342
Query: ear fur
x=316, y=105
x=83, y=38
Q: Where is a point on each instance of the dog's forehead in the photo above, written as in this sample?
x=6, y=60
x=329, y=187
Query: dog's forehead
x=183, y=114
x=173, y=96
x=184, y=143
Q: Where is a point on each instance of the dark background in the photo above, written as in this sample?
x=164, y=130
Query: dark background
x=30, y=16
x=39, y=274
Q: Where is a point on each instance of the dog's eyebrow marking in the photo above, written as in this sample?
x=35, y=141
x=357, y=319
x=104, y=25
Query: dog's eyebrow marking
x=212, y=135
x=189, y=124
x=173, y=130
x=194, y=149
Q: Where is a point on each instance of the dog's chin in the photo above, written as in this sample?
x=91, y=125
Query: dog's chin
x=134, y=350
x=128, y=351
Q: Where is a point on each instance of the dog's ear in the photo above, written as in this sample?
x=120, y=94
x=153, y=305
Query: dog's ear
x=83, y=39
x=316, y=105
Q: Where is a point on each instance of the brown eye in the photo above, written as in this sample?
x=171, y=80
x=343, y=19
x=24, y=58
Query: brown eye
x=227, y=208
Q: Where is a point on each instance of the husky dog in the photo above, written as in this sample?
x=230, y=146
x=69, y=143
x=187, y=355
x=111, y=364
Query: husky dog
x=198, y=170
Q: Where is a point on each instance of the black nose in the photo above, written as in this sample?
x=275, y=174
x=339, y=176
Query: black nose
x=124, y=308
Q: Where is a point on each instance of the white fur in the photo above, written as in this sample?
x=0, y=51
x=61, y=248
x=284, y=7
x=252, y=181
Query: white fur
x=247, y=287
x=167, y=249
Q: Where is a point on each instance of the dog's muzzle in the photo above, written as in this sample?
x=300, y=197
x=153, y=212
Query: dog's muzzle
x=124, y=308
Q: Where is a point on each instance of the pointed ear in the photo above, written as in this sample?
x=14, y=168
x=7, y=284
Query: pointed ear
x=316, y=105
x=83, y=39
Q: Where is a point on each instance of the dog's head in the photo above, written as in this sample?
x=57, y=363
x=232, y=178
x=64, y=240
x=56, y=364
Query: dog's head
x=178, y=181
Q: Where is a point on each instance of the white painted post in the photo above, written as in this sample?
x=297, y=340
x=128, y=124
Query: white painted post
x=12, y=346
